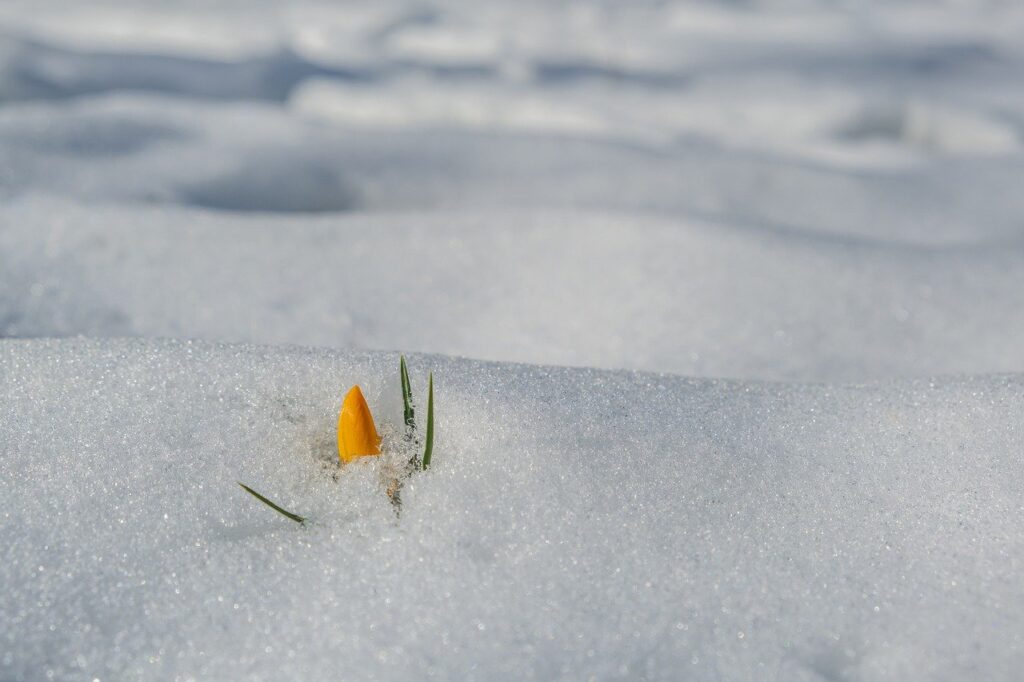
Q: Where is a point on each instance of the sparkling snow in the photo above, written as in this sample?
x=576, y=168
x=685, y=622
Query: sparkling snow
x=765, y=260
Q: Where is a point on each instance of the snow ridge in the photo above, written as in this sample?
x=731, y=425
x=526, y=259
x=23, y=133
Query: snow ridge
x=575, y=522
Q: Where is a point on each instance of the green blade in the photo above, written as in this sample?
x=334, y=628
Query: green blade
x=429, y=449
x=410, y=415
x=279, y=510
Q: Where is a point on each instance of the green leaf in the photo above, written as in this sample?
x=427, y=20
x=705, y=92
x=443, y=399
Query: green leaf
x=279, y=510
x=429, y=449
x=410, y=415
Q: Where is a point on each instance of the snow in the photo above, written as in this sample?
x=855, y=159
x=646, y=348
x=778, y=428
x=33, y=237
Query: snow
x=692, y=296
x=741, y=285
x=577, y=523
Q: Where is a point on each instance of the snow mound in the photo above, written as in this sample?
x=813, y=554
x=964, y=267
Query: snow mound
x=585, y=288
x=577, y=523
x=798, y=190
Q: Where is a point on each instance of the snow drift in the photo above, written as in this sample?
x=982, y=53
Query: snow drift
x=576, y=523
x=767, y=190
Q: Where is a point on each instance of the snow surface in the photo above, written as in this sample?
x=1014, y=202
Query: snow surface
x=807, y=192
x=577, y=523
x=811, y=207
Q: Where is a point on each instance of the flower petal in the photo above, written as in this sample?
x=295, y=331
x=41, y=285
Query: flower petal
x=357, y=434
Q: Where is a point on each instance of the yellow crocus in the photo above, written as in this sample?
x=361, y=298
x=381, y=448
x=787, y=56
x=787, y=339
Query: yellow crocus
x=357, y=434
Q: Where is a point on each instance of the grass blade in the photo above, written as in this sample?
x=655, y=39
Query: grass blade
x=279, y=510
x=410, y=415
x=429, y=449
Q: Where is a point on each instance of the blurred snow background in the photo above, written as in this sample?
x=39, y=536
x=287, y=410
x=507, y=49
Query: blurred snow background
x=786, y=190
x=780, y=190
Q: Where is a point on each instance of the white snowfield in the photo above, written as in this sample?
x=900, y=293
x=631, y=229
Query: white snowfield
x=577, y=523
x=765, y=260
x=684, y=295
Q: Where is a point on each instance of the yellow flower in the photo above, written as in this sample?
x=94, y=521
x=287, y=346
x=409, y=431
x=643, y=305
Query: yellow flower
x=357, y=435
